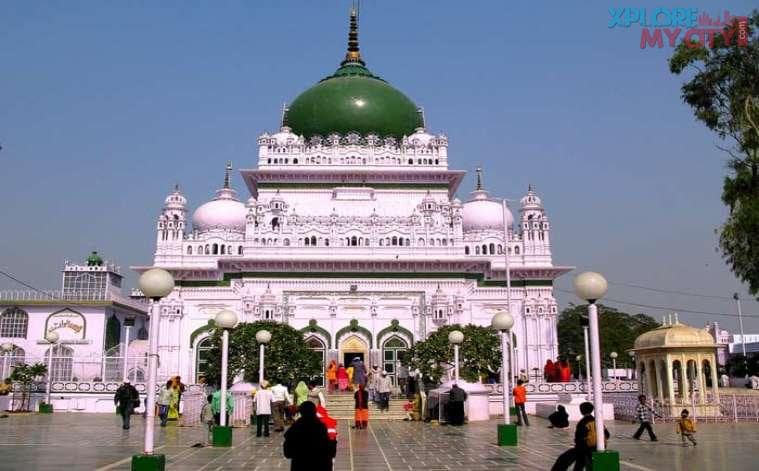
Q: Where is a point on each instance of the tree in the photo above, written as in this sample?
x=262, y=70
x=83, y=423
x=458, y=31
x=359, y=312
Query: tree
x=287, y=358
x=479, y=355
x=25, y=374
x=618, y=331
x=724, y=95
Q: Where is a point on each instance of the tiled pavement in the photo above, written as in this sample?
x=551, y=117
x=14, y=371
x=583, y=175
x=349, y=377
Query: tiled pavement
x=95, y=441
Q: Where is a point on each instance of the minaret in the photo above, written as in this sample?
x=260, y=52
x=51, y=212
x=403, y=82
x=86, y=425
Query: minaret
x=535, y=225
x=171, y=225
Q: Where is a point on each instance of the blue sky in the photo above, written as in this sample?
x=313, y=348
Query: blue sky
x=105, y=105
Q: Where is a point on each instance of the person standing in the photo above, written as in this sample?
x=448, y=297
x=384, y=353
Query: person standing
x=585, y=442
x=207, y=419
x=456, y=399
x=361, y=414
x=332, y=376
x=384, y=386
x=349, y=372
x=125, y=399
x=263, y=409
x=216, y=406
x=524, y=376
x=307, y=443
x=301, y=393
x=165, y=396
x=549, y=371
x=359, y=373
x=686, y=428
x=520, y=398
x=402, y=375
x=643, y=412
x=724, y=380
x=371, y=384
x=342, y=378
x=279, y=394
x=315, y=394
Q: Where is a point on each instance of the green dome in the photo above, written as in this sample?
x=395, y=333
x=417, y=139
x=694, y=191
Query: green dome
x=353, y=100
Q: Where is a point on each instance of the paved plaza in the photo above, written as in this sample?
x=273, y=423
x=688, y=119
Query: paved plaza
x=95, y=441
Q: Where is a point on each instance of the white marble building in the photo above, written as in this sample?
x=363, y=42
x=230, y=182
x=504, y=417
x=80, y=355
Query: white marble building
x=351, y=231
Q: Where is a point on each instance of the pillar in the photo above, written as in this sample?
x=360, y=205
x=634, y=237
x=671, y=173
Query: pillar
x=701, y=379
x=657, y=374
x=670, y=388
x=715, y=385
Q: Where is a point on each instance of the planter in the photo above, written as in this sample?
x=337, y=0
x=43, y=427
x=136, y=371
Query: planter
x=45, y=408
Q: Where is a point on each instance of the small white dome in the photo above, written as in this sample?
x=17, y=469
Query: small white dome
x=175, y=200
x=224, y=212
x=482, y=213
x=286, y=137
x=420, y=138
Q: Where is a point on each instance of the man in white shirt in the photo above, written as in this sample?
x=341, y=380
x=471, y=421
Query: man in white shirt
x=263, y=409
x=279, y=398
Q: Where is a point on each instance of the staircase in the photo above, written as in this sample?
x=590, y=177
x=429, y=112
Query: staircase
x=341, y=406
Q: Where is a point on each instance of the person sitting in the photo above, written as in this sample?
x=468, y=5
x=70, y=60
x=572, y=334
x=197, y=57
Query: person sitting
x=559, y=419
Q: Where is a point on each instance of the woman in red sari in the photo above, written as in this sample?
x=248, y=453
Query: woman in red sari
x=564, y=371
x=342, y=377
x=549, y=371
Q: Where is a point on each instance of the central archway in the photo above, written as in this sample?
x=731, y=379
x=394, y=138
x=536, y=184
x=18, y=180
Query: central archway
x=353, y=346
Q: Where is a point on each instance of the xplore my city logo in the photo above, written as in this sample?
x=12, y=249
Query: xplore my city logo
x=686, y=24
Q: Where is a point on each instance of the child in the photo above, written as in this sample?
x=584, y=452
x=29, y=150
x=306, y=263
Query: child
x=408, y=407
x=206, y=417
x=686, y=428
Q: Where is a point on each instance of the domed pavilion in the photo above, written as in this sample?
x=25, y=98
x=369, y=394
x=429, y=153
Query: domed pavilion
x=676, y=366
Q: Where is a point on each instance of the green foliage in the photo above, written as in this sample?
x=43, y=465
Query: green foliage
x=738, y=366
x=112, y=332
x=723, y=92
x=25, y=374
x=479, y=355
x=618, y=332
x=287, y=358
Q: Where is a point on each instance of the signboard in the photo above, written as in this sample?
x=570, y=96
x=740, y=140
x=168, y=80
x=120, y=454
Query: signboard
x=69, y=325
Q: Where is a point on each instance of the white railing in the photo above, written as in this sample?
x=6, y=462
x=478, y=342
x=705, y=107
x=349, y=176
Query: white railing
x=571, y=387
x=94, y=368
x=20, y=296
x=727, y=408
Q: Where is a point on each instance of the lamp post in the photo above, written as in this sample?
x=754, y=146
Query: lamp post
x=578, y=358
x=262, y=337
x=740, y=326
x=456, y=338
x=632, y=360
x=128, y=323
x=222, y=435
x=585, y=324
x=507, y=267
x=155, y=284
x=503, y=322
x=7, y=349
x=591, y=287
x=52, y=338
x=613, y=356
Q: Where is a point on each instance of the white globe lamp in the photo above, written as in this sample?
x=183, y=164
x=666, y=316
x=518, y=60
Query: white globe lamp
x=156, y=283
x=590, y=286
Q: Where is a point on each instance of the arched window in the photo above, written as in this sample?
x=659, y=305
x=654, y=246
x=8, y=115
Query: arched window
x=315, y=344
x=307, y=241
x=408, y=242
x=13, y=323
x=395, y=240
x=516, y=250
x=500, y=249
x=239, y=250
x=200, y=250
x=16, y=356
x=400, y=241
x=382, y=242
x=354, y=241
x=287, y=242
x=313, y=241
x=326, y=242
x=393, y=351
x=466, y=250
x=477, y=250
x=215, y=249
x=432, y=242
x=208, y=250
x=223, y=249
x=484, y=249
x=420, y=242
x=445, y=242
x=274, y=223
x=202, y=356
x=492, y=249
x=63, y=363
x=189, y=250
x=229, y=249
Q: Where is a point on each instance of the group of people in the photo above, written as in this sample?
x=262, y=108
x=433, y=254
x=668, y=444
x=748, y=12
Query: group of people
x=557, y=372
x=127, y=399
x=375, y=383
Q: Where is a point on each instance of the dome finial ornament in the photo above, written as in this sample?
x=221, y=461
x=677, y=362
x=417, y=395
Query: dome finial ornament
x=227, y=174
x=478, y=186
x=353, y=55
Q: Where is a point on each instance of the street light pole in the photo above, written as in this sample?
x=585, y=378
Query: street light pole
x=262, y=337
x=52, y=338
x=506, y=212
x=740, y=325
x=456, y=338
x=584, y=324
x=225, y=320
x=155, y=284
x=613, y=356
x=503, y=322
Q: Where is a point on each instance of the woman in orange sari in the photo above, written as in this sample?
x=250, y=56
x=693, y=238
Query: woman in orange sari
x=331, y=376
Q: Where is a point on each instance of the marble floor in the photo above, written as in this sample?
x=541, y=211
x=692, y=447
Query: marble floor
x=97, y=442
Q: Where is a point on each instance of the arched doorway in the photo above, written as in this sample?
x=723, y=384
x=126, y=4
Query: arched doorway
x=202, y=355
x=393, y=351
x=353, y=346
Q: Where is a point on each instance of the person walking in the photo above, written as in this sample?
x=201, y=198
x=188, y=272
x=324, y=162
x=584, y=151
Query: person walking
x=301, y=393
x=585, y=442
x=126, y=399
x=359, y=373
x=342, y=378
x=384, y=386
x=332, y=377
x=401, y=372
x=207, y=419
x=456, y=399
x=371, y=384
x=280, y=396
x=686, y=428
x=520, y=398
x=315, y=394
x=165, y=396
x=643, y=412
x=549, y=372
x=263, y=409
x=216, y=406
x=349, y=372
x=361, y=407
x=307, y=442
x=524, y=376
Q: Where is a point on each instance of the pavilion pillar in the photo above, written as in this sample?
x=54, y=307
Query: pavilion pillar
x=701, y=379
x=670, y=388
x=658, y=374
x=715, y=385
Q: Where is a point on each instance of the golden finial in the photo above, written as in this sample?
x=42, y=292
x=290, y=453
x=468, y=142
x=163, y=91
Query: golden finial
x=353, y=55
x=478, y=186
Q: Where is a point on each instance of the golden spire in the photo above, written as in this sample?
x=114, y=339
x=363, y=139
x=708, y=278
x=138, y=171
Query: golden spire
x=353, y=55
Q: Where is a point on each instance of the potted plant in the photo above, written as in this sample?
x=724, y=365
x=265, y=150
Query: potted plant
x=45, y=408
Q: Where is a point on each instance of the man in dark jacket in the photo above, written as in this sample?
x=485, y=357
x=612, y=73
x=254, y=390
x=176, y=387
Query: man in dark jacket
x=585, y=442
x=307, y=444
x=456, y=400
x=126, y=399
